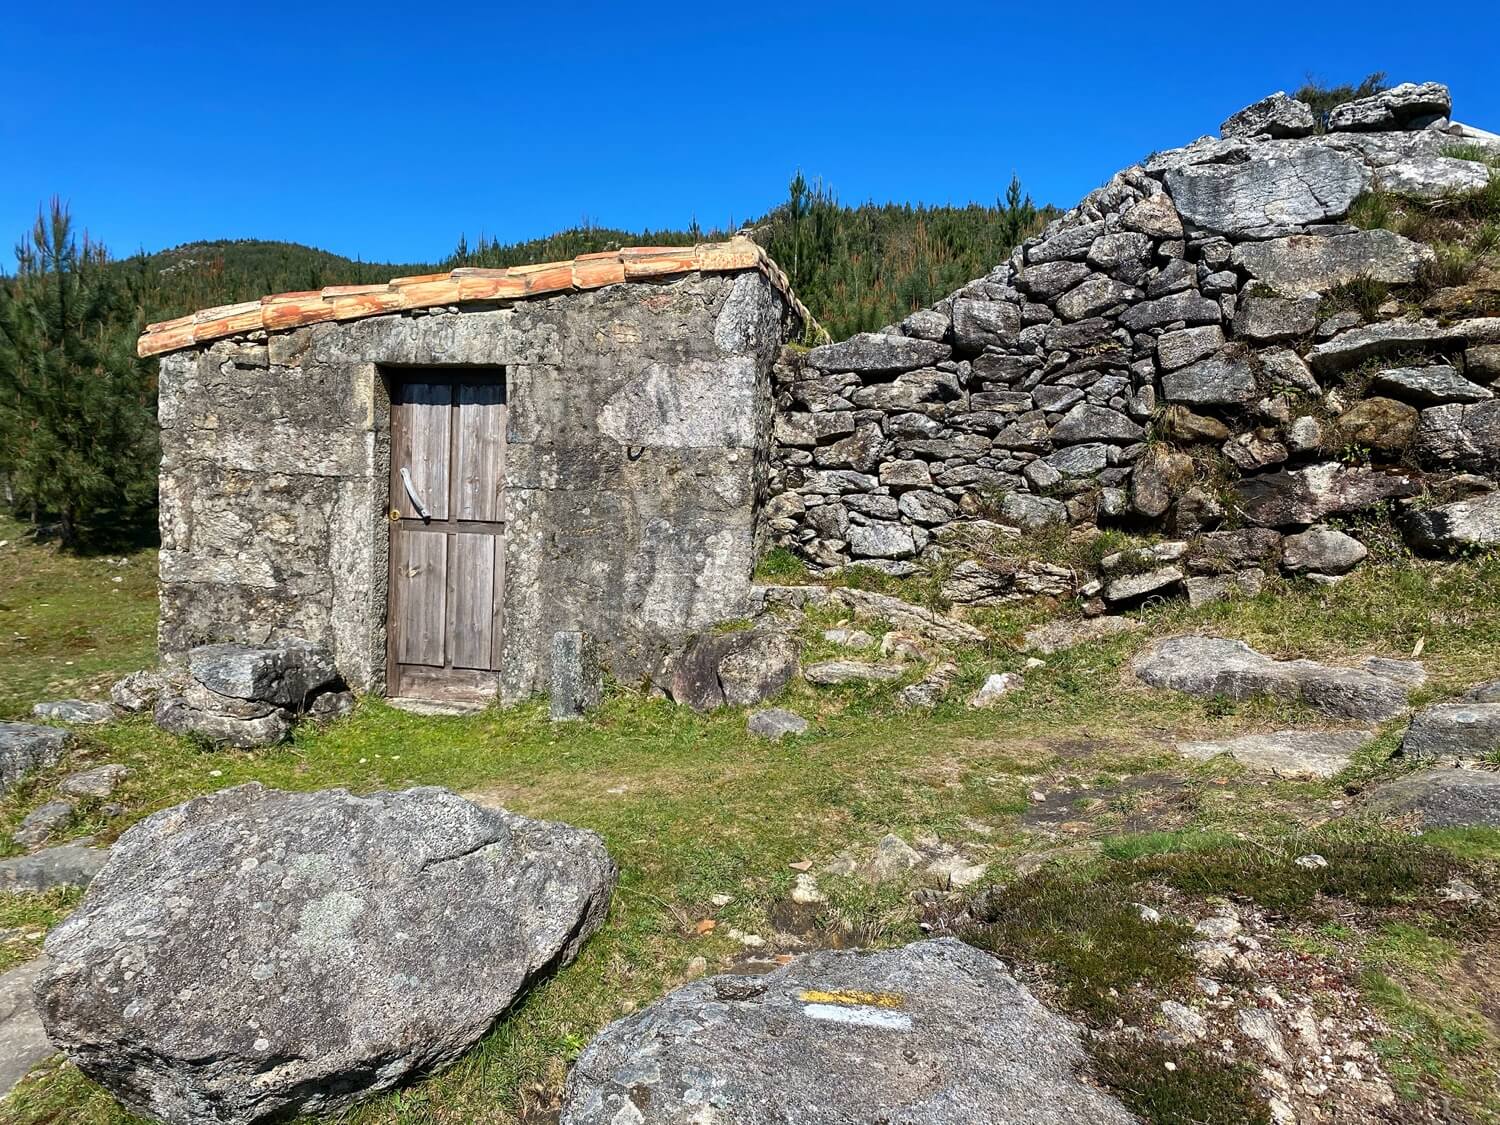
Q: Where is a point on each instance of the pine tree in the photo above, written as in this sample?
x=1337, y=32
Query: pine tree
x=77, y=409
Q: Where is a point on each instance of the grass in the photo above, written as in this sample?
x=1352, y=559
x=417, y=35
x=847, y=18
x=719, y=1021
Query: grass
x=1089, y=933
x=691, y=808
x=1363, y=295
x=1176, y=1085
x=67, y=628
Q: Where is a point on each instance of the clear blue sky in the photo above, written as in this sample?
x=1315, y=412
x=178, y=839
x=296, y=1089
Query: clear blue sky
x=384, y=130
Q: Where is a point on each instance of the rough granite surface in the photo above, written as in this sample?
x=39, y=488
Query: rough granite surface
x=255, y=953
x=936, y=1033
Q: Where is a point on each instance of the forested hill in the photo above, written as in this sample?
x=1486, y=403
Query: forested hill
x=856, y=268
x=199, y=275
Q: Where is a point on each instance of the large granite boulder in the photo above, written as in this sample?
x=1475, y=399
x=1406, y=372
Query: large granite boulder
x=1300, y=264
x=874, y=351
x=1443, y=798
x=1281, y=191
x=1464, y=525
x=254, y=954
x=1304, y=496
x=936, y=1033
x=1468, y=727
x=1407, y=106
x=1274, y=116
x=283, y=674
x=25, y=747
x=729, y=669
x=1220, y=668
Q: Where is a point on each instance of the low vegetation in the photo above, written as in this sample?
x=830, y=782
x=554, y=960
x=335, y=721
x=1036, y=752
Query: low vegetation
x=1321, y=98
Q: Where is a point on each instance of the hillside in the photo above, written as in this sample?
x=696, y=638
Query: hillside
x=201, y=274
x=857, y=268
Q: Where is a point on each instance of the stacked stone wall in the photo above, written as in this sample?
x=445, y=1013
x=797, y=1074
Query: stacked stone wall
x=1163, y=357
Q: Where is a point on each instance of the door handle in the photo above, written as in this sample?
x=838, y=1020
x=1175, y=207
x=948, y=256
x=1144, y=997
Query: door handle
x=411, y=491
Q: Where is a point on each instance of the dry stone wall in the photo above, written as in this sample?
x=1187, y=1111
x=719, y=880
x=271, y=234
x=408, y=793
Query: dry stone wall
x=1159, y=358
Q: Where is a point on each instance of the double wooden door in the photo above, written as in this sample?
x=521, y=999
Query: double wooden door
x=447, y=534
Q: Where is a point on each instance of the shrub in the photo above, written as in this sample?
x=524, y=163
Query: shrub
x=1323, y=98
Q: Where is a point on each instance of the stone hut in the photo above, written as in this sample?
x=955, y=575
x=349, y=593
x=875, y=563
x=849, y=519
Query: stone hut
x=436, y=475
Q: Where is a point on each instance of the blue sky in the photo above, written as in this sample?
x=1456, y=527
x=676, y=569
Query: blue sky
x=384, y=130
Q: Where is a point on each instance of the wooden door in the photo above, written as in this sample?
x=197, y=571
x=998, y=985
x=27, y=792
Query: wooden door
x=447, y=528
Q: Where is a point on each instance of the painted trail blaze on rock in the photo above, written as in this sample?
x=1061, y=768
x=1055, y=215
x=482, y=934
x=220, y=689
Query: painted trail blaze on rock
x=254, y=954
x=937, y=1033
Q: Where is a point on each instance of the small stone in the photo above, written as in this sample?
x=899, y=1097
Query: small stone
x=67, y=865
x=995, y=687
x=830, y=672
x=1032, y=513
x=1222, y=927
x=1150, y=915
x=805, y=890
x=1220, y=381
x=1383, y=425
x=137, y=691
x=1259, y=1026
x=849, y=638
x=1428, y=386
x=1322, y=550
x=1310, y=862
x=330, y=705
x=41, y=822
x=1274, y=116
x=891, y=858
x=1185, y=1024
x=775, y=723
x=98, y=782
x=931, y=688
x=74, y=711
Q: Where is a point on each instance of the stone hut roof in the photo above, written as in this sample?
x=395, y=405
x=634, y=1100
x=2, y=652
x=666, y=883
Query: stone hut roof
x=282, y=311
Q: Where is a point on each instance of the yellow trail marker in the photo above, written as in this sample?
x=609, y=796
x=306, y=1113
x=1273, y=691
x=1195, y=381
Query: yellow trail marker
x=850, y=996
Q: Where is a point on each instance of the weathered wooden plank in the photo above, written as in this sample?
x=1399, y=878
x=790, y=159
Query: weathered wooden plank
x=422, y=571
x=479, y=456
x=471, y=593
x=424, y=430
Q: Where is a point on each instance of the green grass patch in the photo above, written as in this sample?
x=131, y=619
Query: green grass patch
x=1367, y=868
x=25, y=920
x=67, y=628
x=1088, y=934
x=1432, y=1042
x=1200, y=1088
x=781, y=565
x=1143, y=844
